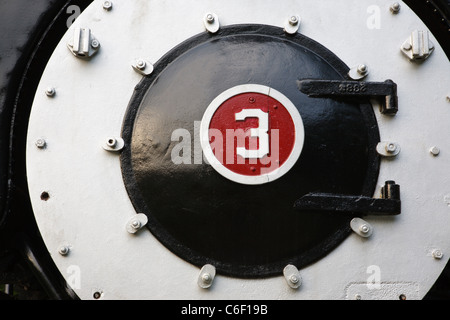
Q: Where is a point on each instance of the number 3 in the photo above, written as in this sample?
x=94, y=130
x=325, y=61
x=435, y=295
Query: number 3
x=261, y=132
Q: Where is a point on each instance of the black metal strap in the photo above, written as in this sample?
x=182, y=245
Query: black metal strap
x=385, y=91
x=389, y=204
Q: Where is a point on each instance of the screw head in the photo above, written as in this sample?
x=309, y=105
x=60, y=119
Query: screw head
x=40, y=143
x=293, y=20
x=107, y=5
x=50, y=92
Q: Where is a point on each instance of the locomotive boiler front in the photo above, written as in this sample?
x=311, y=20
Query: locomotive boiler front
x=229, y=150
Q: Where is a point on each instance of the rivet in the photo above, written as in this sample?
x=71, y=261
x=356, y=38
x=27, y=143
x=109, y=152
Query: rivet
x=437, y=254
x=64, y=250
x=107, y=5
x=50, y=92
x=40, y=143
x=395, y=8
x=357, y=297
x=97, y=295
x=435, y=151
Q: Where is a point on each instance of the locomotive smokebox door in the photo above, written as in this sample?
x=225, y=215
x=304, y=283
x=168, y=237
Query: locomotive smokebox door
x=233, y=96
x=243, y=149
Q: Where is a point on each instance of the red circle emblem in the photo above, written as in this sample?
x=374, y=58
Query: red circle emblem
x=252, y=134
x=240, y=151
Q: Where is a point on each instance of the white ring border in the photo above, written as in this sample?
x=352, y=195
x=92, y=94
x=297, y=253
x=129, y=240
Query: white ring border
x=243, y=179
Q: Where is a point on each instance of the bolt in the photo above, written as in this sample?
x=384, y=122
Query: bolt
x=210, y=18
x=437, y=254
x=362, y=69
x=50, y=92
x=206, y=278
x=111, y=142
x=364, y=228
x=64, y=250
x=40, y=143
x=141, y=64
x=435, y=151
x=395, y=7
x=294, y=279
x=293, y=21
x=391, y=147
x=97, y=295
x=95, y=44
x=107, y=5
x=136, y=224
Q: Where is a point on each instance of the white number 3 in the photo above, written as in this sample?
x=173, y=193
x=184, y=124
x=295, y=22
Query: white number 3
x=261, y=132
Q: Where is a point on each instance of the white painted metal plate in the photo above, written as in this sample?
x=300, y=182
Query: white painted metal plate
x=89, y=207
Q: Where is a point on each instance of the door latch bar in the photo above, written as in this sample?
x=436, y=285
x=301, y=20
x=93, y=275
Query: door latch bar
x=388, y=204
x=385, y=92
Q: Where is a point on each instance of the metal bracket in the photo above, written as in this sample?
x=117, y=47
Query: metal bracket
x=114, y=144
x=83, y=45
x=142, y=67
x=292, y=276
x=385, y=91
x=206, y=276
x=388, y=149
x=211, y=22
x=388, y=204
x=361, y=227
x=136, y=223
x=292, y=24
x=418, y=46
